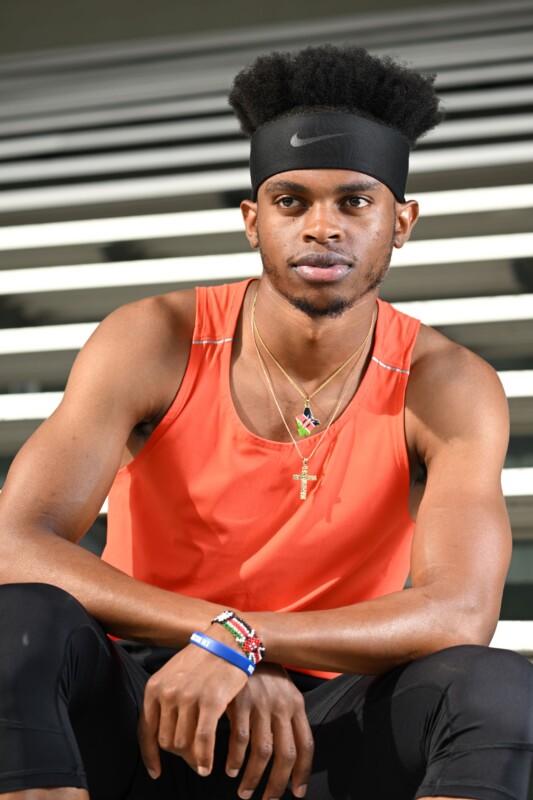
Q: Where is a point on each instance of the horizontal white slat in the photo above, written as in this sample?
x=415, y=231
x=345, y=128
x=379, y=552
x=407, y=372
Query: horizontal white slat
x=122, y=136
x=213, y=103
x=127, y=189
x=151, y=272
x=514, y=635
x=464, y=249
x=45, y=338
x=517, y=482
x=461, y=311
x=481, y=128
x=491, y=99
x=202, y=128
x=470, y=310
x=130, y=161
x=227, y=179
x=227, y=220
x=120, y=229
x=129, y=273
x=221, y=153
x=28, y=405
x=187, y=106
x=517, y=383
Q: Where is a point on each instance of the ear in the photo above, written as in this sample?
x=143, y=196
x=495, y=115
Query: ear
x=406, y=217
x=249, y=215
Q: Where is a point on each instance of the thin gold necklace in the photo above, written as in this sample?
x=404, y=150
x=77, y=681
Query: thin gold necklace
x=305, y=421
x=304, y=477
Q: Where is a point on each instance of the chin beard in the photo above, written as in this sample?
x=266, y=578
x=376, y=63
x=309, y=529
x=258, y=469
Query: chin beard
x=334, y=306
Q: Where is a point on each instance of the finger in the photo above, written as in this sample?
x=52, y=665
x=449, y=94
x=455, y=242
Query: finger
x=147, y=730
x=204, y=739
x=238, y=740
x=184, y=732
x=305, y=745
x=261, y=748
x=284, y=759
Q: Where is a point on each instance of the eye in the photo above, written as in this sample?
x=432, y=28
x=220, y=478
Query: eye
x=354, y=201
x=288, y=202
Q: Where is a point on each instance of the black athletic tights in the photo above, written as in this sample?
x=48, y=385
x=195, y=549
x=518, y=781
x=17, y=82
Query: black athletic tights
x=458, y=723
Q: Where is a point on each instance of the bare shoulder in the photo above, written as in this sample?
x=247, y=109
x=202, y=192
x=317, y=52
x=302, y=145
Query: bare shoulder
x=139, y=353
x=453, y=396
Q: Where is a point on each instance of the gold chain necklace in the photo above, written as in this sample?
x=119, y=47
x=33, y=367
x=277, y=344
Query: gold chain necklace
x=305, y=421
x=304, y=477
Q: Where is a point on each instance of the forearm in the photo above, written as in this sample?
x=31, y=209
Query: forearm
x=126, y=607
x=375, y=636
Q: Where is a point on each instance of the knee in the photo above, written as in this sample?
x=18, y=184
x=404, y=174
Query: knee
x=489, y=684
x=35, y=615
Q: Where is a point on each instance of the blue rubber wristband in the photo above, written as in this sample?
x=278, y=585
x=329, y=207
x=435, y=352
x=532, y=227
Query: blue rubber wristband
x=223, y=651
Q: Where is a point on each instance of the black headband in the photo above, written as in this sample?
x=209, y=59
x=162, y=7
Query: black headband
x=330, y=140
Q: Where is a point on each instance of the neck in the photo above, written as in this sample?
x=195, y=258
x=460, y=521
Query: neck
x=306, y=346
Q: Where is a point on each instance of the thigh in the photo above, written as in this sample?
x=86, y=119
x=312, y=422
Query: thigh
x=457, y=723
x=67, y=702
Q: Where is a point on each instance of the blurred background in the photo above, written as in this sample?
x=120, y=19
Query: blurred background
x=122, y=168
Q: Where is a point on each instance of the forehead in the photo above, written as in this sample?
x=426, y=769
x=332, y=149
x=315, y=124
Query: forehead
x=332, y=181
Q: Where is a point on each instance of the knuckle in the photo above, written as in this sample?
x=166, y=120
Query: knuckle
x=241, y=736
x=299, y=703
x=167, y=693
x=262, y=751
x=309, y=746
x=179, y=745
x=202, y=735
x=165, y=743
x=287, y=755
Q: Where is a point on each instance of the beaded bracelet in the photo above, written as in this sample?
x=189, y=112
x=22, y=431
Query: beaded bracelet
x=243, y=634
x=222, y=651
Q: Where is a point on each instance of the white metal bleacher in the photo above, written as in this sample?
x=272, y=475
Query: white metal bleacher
x=120, y=170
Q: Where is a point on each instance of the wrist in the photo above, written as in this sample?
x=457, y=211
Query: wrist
x=222, y=651
x=243, y=634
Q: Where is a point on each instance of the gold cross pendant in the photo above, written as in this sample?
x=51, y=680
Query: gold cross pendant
x=304, y=478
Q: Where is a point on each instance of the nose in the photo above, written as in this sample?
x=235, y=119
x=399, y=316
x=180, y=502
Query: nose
x=322, y=224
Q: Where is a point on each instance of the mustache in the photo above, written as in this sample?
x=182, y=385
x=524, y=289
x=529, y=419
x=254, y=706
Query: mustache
x=322, y=260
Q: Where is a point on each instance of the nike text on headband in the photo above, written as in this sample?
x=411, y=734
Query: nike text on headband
x=330, y=140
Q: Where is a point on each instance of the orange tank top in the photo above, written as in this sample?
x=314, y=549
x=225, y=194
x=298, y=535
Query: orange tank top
x=208, y=509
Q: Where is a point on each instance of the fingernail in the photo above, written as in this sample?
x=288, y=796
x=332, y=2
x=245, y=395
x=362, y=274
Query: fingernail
x=153, y=773
x=232, y=773
x=203, y=771
x=300, y=791
x=246, y=794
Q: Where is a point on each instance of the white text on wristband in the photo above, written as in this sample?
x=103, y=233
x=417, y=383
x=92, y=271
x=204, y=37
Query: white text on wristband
x=222, y=651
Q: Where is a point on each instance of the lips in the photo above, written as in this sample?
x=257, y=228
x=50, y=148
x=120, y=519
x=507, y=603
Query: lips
x=322, y=267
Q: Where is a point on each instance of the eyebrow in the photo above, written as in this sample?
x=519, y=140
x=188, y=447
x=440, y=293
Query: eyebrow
x=292, y=186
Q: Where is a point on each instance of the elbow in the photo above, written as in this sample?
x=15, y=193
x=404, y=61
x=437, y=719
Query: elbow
x=473, y=623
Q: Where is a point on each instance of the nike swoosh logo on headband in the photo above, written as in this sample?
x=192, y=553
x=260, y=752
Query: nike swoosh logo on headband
x=297, y=142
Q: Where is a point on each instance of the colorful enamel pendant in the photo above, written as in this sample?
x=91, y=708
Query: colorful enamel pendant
x=306, y=422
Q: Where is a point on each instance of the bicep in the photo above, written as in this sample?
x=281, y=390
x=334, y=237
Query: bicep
x=61, y=476
x=462, y=541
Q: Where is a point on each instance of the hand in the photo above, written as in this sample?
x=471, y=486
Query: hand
x=183, y=702
x=268, y=714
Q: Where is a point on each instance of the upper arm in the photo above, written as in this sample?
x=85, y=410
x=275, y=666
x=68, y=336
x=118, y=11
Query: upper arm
x=458, y=417
x=121, y=377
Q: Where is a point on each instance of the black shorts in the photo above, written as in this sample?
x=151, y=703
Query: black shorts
x=458, y=723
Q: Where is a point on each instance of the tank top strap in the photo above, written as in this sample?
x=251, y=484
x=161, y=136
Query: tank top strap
x=394, y=339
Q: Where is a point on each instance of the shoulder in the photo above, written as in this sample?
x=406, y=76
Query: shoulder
x=138, y=354
x=152, y=321
x=453, y=395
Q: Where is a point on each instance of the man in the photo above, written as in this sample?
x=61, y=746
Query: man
x=267, y=446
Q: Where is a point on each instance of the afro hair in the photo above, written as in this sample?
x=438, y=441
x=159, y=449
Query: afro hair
x=346, y=79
